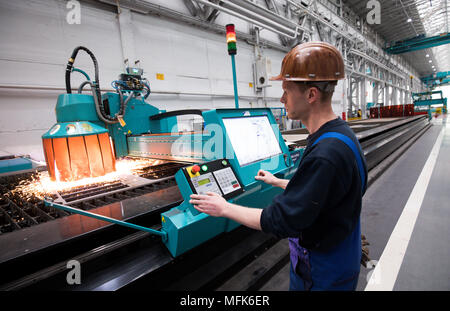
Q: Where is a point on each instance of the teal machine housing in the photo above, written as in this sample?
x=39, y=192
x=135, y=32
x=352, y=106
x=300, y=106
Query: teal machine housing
x=183, y=227
x=136, y=118
x=73, y=108
x=143, y=130
x=10, y=164
x=187, y=229
x=425, y=99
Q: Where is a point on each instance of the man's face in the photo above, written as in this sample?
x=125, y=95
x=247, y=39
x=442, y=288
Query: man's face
x=295, y=101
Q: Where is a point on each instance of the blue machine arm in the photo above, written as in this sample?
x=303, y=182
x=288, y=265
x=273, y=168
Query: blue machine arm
x=162, y=234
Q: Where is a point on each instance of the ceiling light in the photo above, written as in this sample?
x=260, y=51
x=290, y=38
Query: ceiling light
x=409, y=20
x=429, y=61
x=428, y=55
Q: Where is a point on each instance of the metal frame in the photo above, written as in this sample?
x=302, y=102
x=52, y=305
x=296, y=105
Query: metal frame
x=297, y=22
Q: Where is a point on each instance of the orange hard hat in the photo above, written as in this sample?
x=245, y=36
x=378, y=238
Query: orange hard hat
x=312, y=61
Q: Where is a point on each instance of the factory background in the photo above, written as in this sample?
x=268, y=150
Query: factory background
x=394, y=60
x=183, y=56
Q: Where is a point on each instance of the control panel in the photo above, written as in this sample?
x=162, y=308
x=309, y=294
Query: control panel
x=216, y=176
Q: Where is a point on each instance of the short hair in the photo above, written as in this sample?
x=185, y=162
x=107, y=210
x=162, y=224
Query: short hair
x=326, y=88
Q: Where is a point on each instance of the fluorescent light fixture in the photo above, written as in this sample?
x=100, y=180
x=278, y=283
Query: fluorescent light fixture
x=428, y=55
x=429, y=61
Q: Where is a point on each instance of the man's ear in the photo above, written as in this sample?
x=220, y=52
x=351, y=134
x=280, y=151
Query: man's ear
x=313, y=94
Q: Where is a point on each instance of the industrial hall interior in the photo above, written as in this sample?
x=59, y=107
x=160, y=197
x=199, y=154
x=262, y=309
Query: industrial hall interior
x=225, y=145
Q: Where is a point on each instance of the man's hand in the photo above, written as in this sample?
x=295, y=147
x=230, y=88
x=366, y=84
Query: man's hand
x=214, y=205
x=268, y=178
x=211, y=204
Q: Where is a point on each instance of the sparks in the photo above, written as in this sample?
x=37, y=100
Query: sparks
x=41, y=185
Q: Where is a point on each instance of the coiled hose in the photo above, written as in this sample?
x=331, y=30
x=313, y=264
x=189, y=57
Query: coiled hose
x=95, y=88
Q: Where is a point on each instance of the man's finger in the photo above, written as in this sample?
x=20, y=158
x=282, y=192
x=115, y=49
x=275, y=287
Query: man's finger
x=198, y=208
x=193, y=201
x=211, y=194
x=201, y=208
x=198, y=196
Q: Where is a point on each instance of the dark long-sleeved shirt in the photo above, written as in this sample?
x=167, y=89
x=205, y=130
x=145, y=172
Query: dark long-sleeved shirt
x=322, y=202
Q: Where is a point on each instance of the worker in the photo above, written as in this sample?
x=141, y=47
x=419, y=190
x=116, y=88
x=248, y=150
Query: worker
x=319, y=209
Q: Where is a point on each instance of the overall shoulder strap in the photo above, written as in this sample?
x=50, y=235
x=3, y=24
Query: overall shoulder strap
x=345, y=139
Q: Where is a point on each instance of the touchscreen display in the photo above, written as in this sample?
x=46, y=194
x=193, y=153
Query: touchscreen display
x=253, y=138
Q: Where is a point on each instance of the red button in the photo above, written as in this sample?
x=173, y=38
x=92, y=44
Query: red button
x=195, y=169
x=235, y=185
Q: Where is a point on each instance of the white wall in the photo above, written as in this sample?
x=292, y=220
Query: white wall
x=36, y=42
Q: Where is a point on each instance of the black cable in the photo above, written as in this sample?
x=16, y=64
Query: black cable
x=96, y=83
x=70, y=65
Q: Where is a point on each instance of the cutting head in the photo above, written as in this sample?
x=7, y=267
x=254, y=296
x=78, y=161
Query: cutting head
x=76, y=150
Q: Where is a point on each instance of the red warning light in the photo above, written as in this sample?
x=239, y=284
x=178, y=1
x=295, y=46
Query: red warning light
x=231, y=39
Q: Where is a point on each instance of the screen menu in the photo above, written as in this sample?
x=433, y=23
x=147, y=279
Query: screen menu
x=253, y=138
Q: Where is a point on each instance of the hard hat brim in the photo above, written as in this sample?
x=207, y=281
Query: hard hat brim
x=276, y=78
x=281, y=78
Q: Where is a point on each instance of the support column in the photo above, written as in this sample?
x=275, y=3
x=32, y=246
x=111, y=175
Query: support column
x=344, y=95
x=394, y=96
x=363, y=98
x=375, y=91
x=349, y=98
x=357, y=96
x=387, y=102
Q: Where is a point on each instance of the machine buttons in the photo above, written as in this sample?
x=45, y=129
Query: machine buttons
x=215, y=176
x=227, y=180
x=195, y=169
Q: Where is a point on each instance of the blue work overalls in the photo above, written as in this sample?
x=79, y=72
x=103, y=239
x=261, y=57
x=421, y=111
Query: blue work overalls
x=334, y=269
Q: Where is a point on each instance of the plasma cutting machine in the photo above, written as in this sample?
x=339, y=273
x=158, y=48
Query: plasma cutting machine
x=224, y=158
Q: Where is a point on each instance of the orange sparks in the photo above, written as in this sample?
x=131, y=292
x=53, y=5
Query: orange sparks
x=43, y=185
